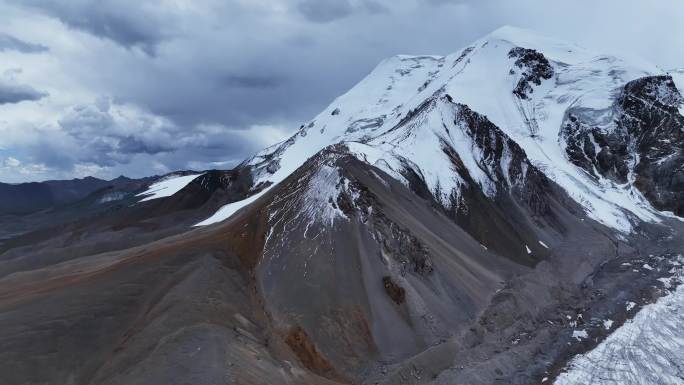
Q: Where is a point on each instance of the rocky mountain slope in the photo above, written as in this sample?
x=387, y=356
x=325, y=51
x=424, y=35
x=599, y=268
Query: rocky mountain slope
x=472, y=218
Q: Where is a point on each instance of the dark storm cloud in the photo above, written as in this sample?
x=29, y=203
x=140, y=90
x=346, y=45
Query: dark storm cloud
x=12, y=92
x=132, y=145
x=9, y=42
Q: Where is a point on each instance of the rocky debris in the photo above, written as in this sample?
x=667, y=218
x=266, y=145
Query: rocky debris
x=300, y=343
x=394, y=291
x=365, y=124
x=535, y=68
x=404, y=247
x=504, y=312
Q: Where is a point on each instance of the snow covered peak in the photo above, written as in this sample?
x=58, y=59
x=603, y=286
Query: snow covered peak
x=531, y=39
x=404, y=113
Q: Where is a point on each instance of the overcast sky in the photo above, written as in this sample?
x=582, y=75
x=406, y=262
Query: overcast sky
x=110, y=87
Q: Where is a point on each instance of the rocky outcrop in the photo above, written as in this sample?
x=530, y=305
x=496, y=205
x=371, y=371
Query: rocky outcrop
x=535, y=68
x=639, y=140
x=651, y=115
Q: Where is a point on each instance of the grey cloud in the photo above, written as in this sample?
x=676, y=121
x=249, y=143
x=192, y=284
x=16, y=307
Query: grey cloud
x=132, y=145
x=323, y=11
x=9, y=42
x=86, y=121
x=129, y=23
x=444, y=2
x=106, y=141
x=252, y=81
x=92, y=135
x=12, y=92
x=48, y=150
x=375, y=7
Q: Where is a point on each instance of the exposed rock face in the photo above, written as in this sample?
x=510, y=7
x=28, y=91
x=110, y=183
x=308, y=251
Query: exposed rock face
x=651, y=116
x=394, y=291
x=301, y=345
x=502, y=158
x=516, y=180
x=640, y=140
x=535, y=68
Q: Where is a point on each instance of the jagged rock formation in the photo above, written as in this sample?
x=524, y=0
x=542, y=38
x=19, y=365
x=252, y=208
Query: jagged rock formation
x=639, y=141
x=535, y=68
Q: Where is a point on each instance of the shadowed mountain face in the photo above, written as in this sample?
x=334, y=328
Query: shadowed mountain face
x=30, y=197
x=451, y=220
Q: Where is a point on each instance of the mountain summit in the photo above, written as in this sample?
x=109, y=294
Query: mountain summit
x=481, y=217
x=578, y=116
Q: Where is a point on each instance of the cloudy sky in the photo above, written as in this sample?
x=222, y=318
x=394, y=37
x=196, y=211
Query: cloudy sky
x=110, y=87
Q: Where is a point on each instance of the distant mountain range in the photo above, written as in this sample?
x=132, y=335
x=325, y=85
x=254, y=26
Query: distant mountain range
x=30, y=197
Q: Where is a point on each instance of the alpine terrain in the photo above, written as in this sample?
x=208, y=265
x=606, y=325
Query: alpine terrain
x=507, y=214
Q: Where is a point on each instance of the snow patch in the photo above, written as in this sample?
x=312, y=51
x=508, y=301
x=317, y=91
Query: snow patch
x=579, y=335
x=630, y=305
x=167, y=187
x=228, y=210
x=678, y=77
x=607, y=324
x=320, y=201
x=112, y=197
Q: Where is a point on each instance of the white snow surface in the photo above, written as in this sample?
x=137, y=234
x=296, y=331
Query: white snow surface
x=228, y=210
x=678, y=77
x=580, y=334
x=607, y=324
x=630, y=305
x=166, y=187
x=367, y=119
x=646, y=350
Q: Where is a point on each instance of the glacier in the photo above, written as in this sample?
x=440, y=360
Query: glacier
x=646, y=350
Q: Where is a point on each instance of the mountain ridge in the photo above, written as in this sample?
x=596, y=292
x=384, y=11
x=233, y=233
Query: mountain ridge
x=401, y=86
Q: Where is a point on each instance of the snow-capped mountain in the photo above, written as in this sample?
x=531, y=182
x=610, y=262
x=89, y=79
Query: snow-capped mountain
x=484, y=217
x=579, y=117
